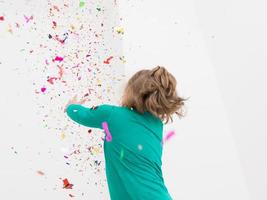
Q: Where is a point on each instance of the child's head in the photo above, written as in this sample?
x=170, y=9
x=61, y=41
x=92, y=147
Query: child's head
x=153, y=91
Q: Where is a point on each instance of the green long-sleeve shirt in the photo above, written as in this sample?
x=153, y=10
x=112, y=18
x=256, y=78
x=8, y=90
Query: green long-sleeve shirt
x=133, y=156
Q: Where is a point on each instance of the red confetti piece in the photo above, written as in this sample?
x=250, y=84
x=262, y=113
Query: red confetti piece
x=60, y=40
x=107, y=61
x=54, y=24
x=66, y=184
x=58, y=58
x=2, y=18
x=51, y=80
x=108, y=134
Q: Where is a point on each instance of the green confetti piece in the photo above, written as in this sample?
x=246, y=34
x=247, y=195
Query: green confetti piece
x=82, y=3
x=99, y=9
x=122, y=154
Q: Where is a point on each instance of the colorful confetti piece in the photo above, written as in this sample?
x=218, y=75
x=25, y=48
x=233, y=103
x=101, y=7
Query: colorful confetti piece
x=43, y=89
x=40, y=173
x=121, y=154
x=168, y=136
x=107, y=61
x=28, y=18
x=119, y=30
x=82, y=3
x=108, y=134
x=58, y=58
x=66, y=184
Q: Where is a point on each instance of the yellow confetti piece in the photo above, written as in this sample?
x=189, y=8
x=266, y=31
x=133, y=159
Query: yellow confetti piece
x=119, y=30
x=122, y=58
x=62, y=136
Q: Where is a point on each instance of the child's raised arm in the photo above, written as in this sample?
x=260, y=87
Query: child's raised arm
x=91, y=117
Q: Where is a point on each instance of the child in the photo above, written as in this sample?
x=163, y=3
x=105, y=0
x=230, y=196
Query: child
x=133, y=141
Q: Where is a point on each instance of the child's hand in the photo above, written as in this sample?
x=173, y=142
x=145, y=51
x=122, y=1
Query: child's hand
x=74, y=101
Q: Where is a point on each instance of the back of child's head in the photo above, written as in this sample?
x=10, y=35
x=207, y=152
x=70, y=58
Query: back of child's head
x=153, y=91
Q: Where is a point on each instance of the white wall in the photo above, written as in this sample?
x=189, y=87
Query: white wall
x=216, y=51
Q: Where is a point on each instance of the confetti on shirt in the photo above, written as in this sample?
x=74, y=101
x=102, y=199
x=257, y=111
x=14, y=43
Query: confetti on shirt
x=121, y=154
x=108, y=134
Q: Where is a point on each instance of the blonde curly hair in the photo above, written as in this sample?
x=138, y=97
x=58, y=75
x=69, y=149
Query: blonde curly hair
x=153, y=91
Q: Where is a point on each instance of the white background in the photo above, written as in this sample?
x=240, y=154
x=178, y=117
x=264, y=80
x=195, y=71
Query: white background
x=216, y=50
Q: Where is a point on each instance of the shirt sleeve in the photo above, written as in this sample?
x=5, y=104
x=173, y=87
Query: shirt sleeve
x=90, y=117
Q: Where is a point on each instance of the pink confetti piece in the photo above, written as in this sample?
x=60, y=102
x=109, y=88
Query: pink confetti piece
x=54, y=24
x=28, y=18
x=60, y=71
x=168, y=136
x=2, y=18
x=43, y=89
x=51, y=80
x=60, y=40
x=107, y=61
x=58, y=58
x=108, y=134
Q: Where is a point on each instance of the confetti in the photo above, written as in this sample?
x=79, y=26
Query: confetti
x=51, y=80
x=2, y=18
x=40, y=173
x=54, y=24
x=43, y=89
x=58, y=58
x=28, y=18
x=82, y=3
x=108, y=135
x=62, y=136
x=66, y=184
x=122, y=59
x=119, y=30
x=108, y=59
x=168, y=136
x=122, y=154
